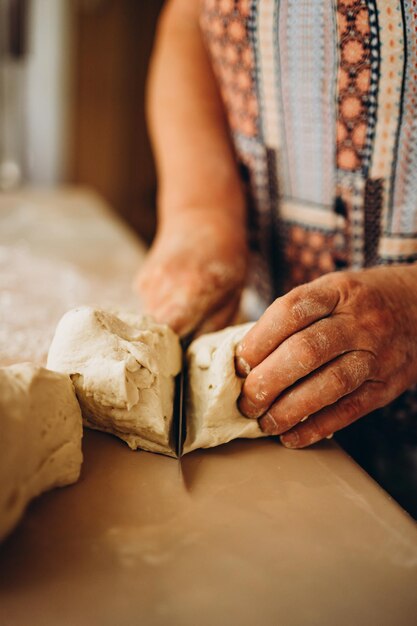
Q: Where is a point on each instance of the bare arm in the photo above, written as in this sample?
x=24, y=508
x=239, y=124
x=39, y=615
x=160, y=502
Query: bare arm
x=196, y=165
x=195, y=271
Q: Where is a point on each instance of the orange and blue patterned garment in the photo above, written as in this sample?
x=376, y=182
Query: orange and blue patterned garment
x=321, y=97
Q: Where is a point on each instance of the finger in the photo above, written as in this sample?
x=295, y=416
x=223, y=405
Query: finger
x=222, y=317
x=152, y=269
x=367, y=398
x=182, y=304
x=178, y=317
x=183, y=316
x=157, y=288
x=296, y=310
x=188, y=312
x=322, y=388
x=295, y=358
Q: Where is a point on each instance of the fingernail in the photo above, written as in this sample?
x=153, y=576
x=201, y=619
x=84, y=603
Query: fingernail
x=242, y=365
x=250, y=410
x=239, y=349
x=290, y=440
x=268, y=424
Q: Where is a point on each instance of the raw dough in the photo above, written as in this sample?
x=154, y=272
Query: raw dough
x=213, y=389
x=40, y=437
x=123, y=368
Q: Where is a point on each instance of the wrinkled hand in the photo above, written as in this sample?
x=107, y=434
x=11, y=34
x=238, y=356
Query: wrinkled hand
x=194, y=274
x=330, y=352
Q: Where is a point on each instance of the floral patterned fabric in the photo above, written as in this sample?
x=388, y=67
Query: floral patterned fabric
x=321, y=98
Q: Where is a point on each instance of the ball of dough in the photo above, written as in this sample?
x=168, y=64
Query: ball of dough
x=123, y=368
x=40, y=437
x=213, y=389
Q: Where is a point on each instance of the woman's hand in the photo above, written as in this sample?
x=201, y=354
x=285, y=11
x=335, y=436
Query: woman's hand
x=330, y=352
x=194, y=274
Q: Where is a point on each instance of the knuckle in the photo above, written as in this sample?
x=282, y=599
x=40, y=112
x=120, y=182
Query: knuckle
x=320, y=429
x=309, y=353
x=300, y=310
x=292, y=302
x=372, y=364
x=360, y=366
x=349, y=409
x=353, y=284
x=314, y=431
x=340, y=380
x=376, y=394
x=283, y=419
x=349, y=286
x=302, y=304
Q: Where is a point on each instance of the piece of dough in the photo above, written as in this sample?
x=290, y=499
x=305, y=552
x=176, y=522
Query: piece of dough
x=40, y=437
x=213, y=389
x=123, y=368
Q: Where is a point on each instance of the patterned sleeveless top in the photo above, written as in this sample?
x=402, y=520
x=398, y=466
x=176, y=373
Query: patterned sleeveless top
x=321, y=97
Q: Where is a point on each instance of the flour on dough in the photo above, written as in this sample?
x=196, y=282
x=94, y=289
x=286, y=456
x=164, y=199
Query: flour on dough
x=123, y=368
x=213, y=389
x=40, y=437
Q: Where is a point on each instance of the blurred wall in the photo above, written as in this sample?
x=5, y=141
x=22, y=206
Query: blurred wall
x=48, y=90
x=84, y=90
x=110, y=148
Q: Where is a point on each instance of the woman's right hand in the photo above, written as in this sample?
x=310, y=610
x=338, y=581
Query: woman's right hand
x=194, y=273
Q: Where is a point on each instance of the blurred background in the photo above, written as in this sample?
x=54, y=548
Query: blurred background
x=72, y=89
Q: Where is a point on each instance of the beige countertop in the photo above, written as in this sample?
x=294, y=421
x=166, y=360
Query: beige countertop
x=250, y=533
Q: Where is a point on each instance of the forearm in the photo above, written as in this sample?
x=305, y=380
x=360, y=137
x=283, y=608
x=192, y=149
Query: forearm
x=195, y=159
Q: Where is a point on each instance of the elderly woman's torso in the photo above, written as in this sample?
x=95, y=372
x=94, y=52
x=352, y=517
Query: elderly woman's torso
x=321, y=97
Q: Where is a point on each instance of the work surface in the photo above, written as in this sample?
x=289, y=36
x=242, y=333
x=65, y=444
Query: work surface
x=247, y=533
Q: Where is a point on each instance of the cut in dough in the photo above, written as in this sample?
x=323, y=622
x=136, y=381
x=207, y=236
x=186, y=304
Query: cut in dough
x=123, y=368
x=213, y=389
x=40, y=437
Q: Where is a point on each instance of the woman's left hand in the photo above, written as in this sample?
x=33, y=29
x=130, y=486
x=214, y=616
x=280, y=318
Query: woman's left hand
x=329, y=352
